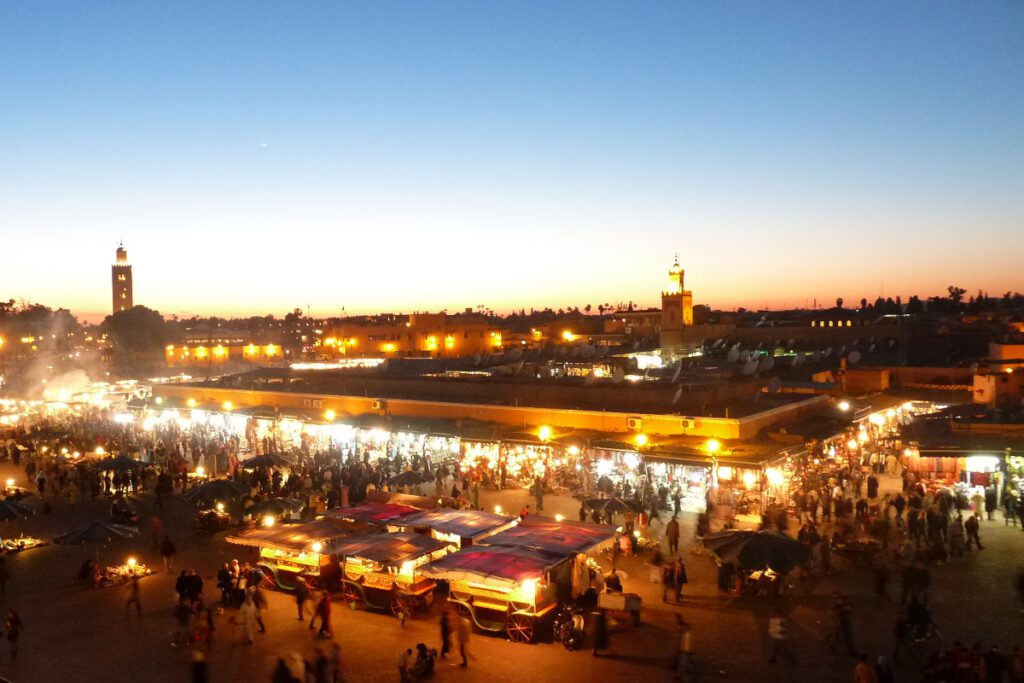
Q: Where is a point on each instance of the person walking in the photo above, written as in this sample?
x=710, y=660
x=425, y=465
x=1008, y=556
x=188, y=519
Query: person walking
x=672, y=534
x=971, y=527
x=778, y=632
x=404, y=664
x=462, y=632
x=133, y=595
x=167, y=551
x=260, y=600
x=5, y=575
x=323, y=610
x=248, y=614
x=446, y=632
x=301, y=596
x=14, y=629
x=864, y=672
x=683, y=660
x=668, y=579
x=680, y=577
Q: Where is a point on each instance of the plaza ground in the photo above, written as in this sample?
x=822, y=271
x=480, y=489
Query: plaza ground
x=86, y=635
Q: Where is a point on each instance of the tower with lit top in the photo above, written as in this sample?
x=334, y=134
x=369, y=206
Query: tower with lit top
x=121, y=280
x=676, y=307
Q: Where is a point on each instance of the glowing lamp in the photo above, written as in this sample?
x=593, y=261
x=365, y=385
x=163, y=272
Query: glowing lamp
x=852, y=444
x=159, y=401
x=641, y=440
x=99, y=450
x=636, y=533
x=10, y=483
x=725, y=473
x=712, y=446
x=268, y=521
x=544, y=433
x=191, y=403
x=317, y=546
x=844, y=406
x=132, y=562
x=329, y=415
x=228, y=405
x=573, y=450
x=749, y=479
x=497, y=509
x=201, y=471
x=559, y=517
x=220, y=507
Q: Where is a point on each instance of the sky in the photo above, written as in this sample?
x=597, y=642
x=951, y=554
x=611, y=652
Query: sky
x=397, y=156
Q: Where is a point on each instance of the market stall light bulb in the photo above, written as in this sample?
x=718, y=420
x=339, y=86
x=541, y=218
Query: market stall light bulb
x=844, y=406
x=641, y=439
x=573, y=450
x=529, y=587
x=713, y=445
x=269, y=520
x=544, y=433
x=99, y=450
x=201, y=471
x=131, y=562
x=317, y=546
x=559, y=517
x=10, y=483
x=329, y=415
x=220, y=507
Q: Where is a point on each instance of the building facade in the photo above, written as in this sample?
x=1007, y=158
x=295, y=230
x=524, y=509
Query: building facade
x=121, y=281
x=426, y=335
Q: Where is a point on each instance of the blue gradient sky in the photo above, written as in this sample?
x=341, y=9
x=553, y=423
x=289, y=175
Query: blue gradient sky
x=396, y=156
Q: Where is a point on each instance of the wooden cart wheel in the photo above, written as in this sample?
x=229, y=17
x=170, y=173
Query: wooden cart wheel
x=520, y=628
x=396, y=606
x=350, y=594
x=462, y=610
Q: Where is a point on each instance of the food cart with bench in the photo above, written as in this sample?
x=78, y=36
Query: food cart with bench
x=381, y=570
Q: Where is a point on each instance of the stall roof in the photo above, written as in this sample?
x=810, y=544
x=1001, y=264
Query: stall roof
x=295, y=537
x=464, y=523
x=388, y=549
x=509, y=565
x=373, y=513
x=558, y=538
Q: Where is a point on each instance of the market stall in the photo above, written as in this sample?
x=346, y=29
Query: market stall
x=290, y=551
x=461, y=528
x=381, y=570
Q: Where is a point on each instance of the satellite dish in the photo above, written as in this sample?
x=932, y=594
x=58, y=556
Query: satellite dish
x=477, y=359
x=676, y=396
x=736, y=345
x=675, y=375
x=750, y=367
x=828, y=352
x=767, y=363
x=854, y=357
x=744, y=355
x=618, y=375
x=732, y=356
x=575, y=351
x=791, y=342
x=871, y=349
x=855, y=342
x=974, y=368
x=717, y=343
x=589, y=379
x=636, y=346
x=892, y=343
x=816, y=356
x=774, y=385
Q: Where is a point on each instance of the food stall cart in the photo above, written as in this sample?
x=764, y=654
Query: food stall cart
x=521, y=575
x=290, y=551
x=461, y=528
x=380, y=570
x=373, y=513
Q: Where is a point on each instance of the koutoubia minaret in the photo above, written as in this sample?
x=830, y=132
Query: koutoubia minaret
x=121, y=279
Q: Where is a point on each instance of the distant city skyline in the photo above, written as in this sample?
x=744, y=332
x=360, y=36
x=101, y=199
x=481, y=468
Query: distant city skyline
x=420, y=157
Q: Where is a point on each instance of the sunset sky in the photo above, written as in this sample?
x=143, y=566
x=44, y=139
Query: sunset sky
x=392, y=156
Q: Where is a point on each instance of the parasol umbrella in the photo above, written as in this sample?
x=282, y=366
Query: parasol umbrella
x=277, y=507
x=120, y=463
x=613, y=505
x=215, y=490
x=96, y=532
x=757, y=549
x=10, y=510
x=266, y=460
x=407, y=478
